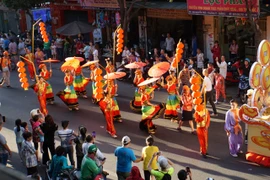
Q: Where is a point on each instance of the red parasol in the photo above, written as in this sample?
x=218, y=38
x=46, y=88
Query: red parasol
x=114, y=75
x=135, y=65
x=78, y=58
x=148, y=81
x=159, y=69
x=89, y=63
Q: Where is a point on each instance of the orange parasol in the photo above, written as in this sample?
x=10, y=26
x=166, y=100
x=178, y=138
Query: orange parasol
x=114, y=75
x=89, y=63
x=148, y=81
x=159, y=69
x=70, y=65
x=135, y=65
x=78, y=58
x=50, y=61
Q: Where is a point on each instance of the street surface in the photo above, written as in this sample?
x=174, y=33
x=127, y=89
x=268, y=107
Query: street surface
x=182, y=148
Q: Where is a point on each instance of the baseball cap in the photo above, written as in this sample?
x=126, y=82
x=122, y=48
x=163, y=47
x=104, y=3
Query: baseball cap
x=163, y=162
x=247, y=59
x=125, y=140
x=92, y=148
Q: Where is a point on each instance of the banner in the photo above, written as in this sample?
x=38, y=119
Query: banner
x=169, y=14
x=222, y=7
x=109, y=4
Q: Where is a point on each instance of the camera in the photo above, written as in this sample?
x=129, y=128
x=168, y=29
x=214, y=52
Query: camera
x=158, y=153
x=188, y=169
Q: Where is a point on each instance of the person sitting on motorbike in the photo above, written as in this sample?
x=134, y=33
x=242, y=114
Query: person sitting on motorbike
x=59, y=163
x=90, y=170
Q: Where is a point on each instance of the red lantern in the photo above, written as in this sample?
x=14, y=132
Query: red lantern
x=195, y=87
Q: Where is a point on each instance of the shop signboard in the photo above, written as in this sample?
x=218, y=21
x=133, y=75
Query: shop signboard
x=108, y=4
x=97, y=35
x=169, y=14
x=223, y=7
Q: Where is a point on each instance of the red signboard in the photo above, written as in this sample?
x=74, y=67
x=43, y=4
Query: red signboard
x=223, y=7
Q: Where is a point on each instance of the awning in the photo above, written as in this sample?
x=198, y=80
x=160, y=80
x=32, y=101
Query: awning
x=161, y=5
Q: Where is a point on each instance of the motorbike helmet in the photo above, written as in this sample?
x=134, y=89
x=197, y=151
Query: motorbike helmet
x=248, y=60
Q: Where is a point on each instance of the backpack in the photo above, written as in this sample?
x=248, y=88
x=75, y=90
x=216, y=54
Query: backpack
x=167, y=177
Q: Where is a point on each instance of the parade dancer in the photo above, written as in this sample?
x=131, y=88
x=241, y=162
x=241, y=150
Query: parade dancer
x=68, y=96
x=106, y=106
x=172, y=76
x=136, y=104
x=80, y=83
x=233, y=129
x=111, y=89
x=40, y=88
x=5, y=64
x=46, y=76
x=110, y=69
x=149, y=110
x=30, y=56
x=202, y=130
x=172, y=100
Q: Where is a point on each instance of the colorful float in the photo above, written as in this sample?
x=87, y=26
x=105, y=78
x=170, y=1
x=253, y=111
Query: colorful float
x=257, y=116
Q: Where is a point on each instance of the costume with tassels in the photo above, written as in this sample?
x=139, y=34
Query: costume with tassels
x=149, y=111
x=111, y=89
x=136, y=103
x=46, y=75
x=107, y=105
x=40, y=88
x=173, y=100
x=68, y=96
x=109, y=67
x=30, y=56
x=80, y=83
x=203, y=124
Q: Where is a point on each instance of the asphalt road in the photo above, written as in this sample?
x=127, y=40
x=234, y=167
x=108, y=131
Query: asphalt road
x=182, y=148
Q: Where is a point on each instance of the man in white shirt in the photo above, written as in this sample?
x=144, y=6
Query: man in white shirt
x=222, y=67
x=208, y=89
x=169, y=44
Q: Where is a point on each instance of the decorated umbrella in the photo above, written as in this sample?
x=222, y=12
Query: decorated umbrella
x=148, y=81
x=159, y=69
x=135, y=65
x=70, y=65
x=89, y=63
x=50, y=61
x=114, y=75
x=71, y=58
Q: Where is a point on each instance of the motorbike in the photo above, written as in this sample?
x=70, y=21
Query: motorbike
x=243, y=87
x=232, y=73
x=122, y=68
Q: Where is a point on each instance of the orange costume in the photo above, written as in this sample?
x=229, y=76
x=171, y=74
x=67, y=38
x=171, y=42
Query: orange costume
x=30, y=57
x=136, y=103
x=40, y=89
x=202, y=130
x=110, y=68
x=5, y=64
x=111, y=89
x=45, y=74
x=106, y=105
x=172, y=101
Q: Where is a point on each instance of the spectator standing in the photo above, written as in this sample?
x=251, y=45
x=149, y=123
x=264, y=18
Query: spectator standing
x=184, y=174
x=18, y=130
x=5, y=64
x=13, y=50
x=147, y=153
x=219, y=86
x=216, y=52
x=246, y=67
x=185, y=49
x=166, y=166
x=79, y=142
x=4, y=148
x=222, y=67
x=86, y=51
x=29, y=154
x=95, y=53
x=53, y=50
x=78, y=46
x=59, y=47
x=169, y=44
x=66, y=137
x=38, y=135
x=125, y=157
x=39, y=56
x=91, y=50
x=183, y=77
x=208, y=89
x=21, y=48
x=1, y=41
x=200, y=61
x=233, y=49
x=135, y=174
x=48, y=128
x=28, y=42
x=59, y=162
x=163, y=55
x=210, y=69
x=66, y=48
x=6, y=43
x=47, y=49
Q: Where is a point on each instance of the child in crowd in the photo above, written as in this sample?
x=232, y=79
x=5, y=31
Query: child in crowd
x=37, y=121
x=18, y=130
x=53, y=50
x=25, y=126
